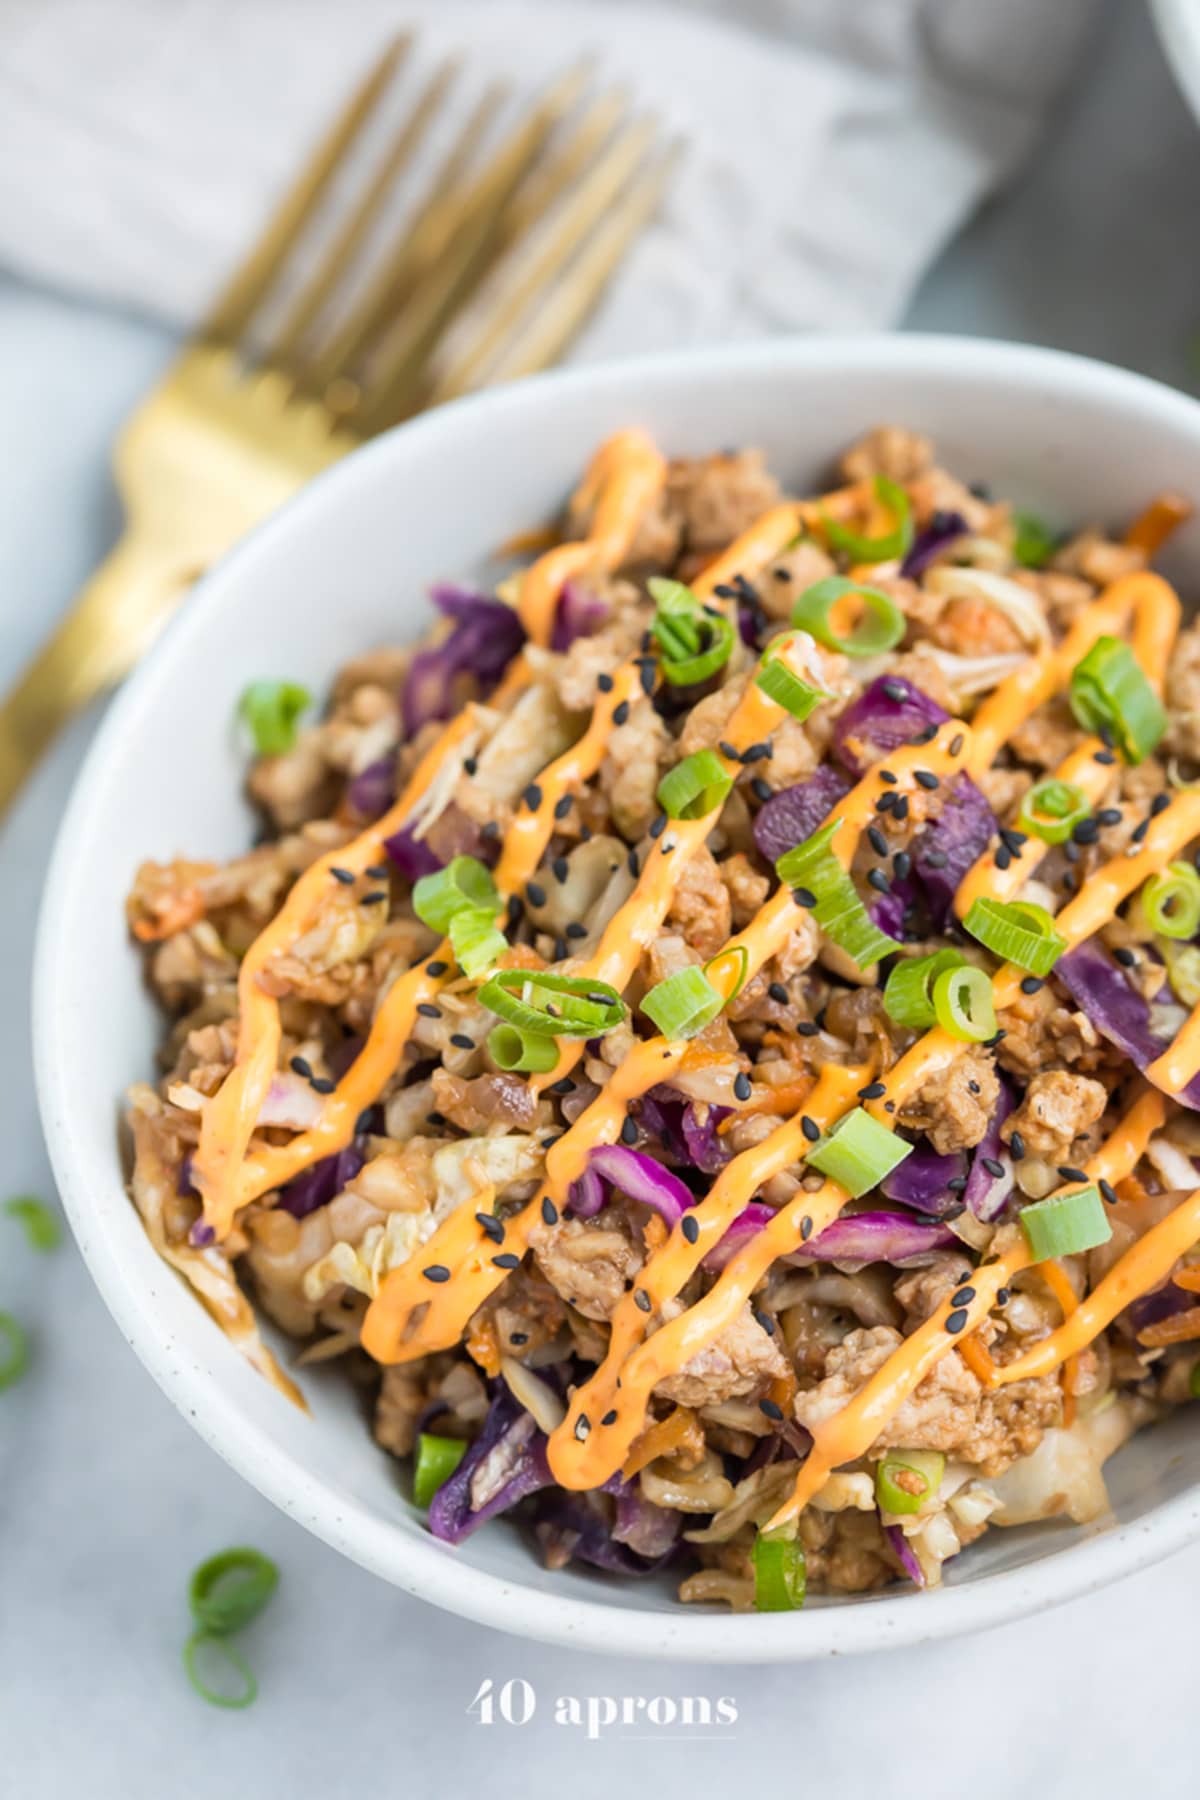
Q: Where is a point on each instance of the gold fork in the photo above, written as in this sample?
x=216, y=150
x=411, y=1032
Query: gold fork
x=232, y=430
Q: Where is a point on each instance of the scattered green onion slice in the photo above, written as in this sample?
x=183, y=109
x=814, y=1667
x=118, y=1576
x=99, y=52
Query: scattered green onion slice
x=694, y=640
x=694, y=786
x=787, y=689
x=1052, y=809
x=906, y=1479
x=1065, y=1224
x=230, y=1589
x=880, y=626
x=735, y=960
x=858, y=1152
x=895, y=542
x=683, y=1004
x=549, y=1006
x=908, y=996
x=1033, y=541
x=1171, y=901
x=1017, y=932
x=964, y=1004
x=1110, y=691
x=464, y=885
x=41, y=1227
x=1183, y=969
x=837, y=907
x=219, y=1650
x=272, y=709
x=517, y=1050
x=780, y=1571
x=476, y=942
x=437, y=1459
x=14, y=1350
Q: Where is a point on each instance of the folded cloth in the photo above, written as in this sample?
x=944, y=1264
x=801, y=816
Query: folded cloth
x=831, y=146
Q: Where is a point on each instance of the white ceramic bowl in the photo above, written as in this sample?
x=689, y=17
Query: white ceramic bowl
x=347, y=565
x=1178, y=24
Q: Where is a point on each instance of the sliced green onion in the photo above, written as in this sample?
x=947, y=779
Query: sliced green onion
x=780, y=1571
x=1033, y=541
x=781, y=684
x=464, y=885
x=895, y=542
x=1183, y=969
x=683, y=1004
x=694, y=786
x=437, y=1459
x=477, y=944
x=879, y=627
x=230, y=1589
x=1017, y=932
x=271, y=709
x=218, y=1650
x=14, y=1350
x=837, y=907
x=964, y=1004
x=906, y=1479
x=518, y=1050
x=908, y=996
x=1052, y=809
x=1109, y=691
x=41, y=1227
x=541, y=1005
x=858, y=1152
x=728, y=970
x=1171, y=901
x=1065, y=1224
x=694, y=640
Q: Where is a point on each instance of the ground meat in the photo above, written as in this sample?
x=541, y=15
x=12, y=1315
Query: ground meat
x=888, y=450
x=953, y=1106
x=590, y=1262
x=700, y=908
x=970, y=627
x=746, y=887
x=859, y=1018
x=1056, y=1109
x=1047, y=737
x=479, y=1106
x=706, y=724
x=296, y=786
x=1183, y=694
x=408, y=1389
x=743, y=1361
x=790, y=573
x=937, y=1416
x=638, y=753
x=922, y=1291
x=1097, y=558
x=719, y=497
x=1004, y=789
x=844, y=1552
x=1064, y=596
x=922, y=668
x=1042, y=1033
x=600, y=653
x=1010, y=1423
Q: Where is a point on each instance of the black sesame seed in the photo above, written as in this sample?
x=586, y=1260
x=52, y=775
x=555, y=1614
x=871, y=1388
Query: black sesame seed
x=321, y=1084
x=565, y=1086
x=878, y=842
x=1104, y=756
x=374, y=898
x=771, y=1409
x=647, y=677
x=1109, y=815
x=346, y=876
x=1016, y=840
x=936, y=859
x=885, y=803
x=378, y=871
x=364, y=1121
x=808, y=1028
x=1125, y=957
x=621, y=713
x=1139, y=831
x=762, y=790
x=461, y=1041
x=1067, y=1172
x=1072, y=852
x=765, y=1320
x=1086, y=832
x=874, y=1090
x=1016, y=1144
x=562, y=807
x=610, y=1417
x=994, y=1168
x=604, y=683
x=879, y=881
x=435, y=1118
x=925, y=778
x=955, y=745
x=668, y=846
x=806, y=1227
x=887, y=775
x=895, y=690
x=549, y=1211
x=641, y=1300
x=436, y=1272
x=778, y=993
x=470, y=766
x=727, y=749
x=757, y=753
x=505, y=1261
x=302, y=1067
x=535, y=893
x=974, y=1087
x=902, y=864
x=1003, y=1296
x=810, y=1128
x=1003, y=857
x=515, y=908
x=690, y=1227
x=560, y=948
x=428, y=1010
x=576, y=930
x=658, y=826
x=1032, y=984
x=1108, y=1191
x=548, y=1143
x=900, y=810
x=629, y=1131
x=491, y=1226
x=957, y=1183
x=533, y=796
x=925, y=737
x=560, y=869
x=963, y=1297
x=1070, y=881
x=1159, y=804
x=889, y=1106
x=741, y=1085
x=436, y=968
x=804, y=896
x=956, y=1320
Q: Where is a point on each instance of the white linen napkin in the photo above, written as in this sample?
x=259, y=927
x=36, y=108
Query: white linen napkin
x=831, y=145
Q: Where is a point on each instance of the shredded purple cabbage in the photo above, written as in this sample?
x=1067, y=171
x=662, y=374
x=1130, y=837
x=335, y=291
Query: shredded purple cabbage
x=793, y=814
x=578, y=614
x=487, y=635
x=635, y=1174
x=923, y=1179
x=675, y=1122
x=317, y=1186
x=373, y=789
x=749, y=1222
x=889, y=712
x=941, y=530
x=960, y=835
x=905, y=1555
x=857, y=1239
x=1160, y=1303
x=986, y=1194
x=1100, y=989
x=510, y=1452
x=579, y=1526
x=453, y=834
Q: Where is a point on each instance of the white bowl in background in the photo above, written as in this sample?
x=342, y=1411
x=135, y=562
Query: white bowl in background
x=341, y=568
x=1178, y=24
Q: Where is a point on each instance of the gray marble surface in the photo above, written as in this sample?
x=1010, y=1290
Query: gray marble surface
x=106, y=1497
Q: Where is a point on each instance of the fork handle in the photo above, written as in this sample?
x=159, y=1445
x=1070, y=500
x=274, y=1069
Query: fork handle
x=116, y=616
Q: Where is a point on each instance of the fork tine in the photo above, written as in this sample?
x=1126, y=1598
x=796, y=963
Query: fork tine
x=598, y=190
x=544, y=186
x=478, y=228
x=560, y=318
x=346, y=242
x=232, y=311
x=407, y=252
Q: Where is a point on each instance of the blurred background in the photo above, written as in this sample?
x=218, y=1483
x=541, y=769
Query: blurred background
x=1016, y=170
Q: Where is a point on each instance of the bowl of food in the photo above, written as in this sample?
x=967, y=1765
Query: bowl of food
x=672, y=1081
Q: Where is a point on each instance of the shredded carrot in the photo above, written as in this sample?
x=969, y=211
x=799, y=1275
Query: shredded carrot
x=524, y=543
x=976, y=1356
x=1068, y=1300
x=786, y=1098
x=676, y=1432
x=1132, y=1190
x=1181, y=1328
x=1151, y=529
x=1188, y=1279
x=483, y=1346
x=186, y=909
x=783, y=1391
